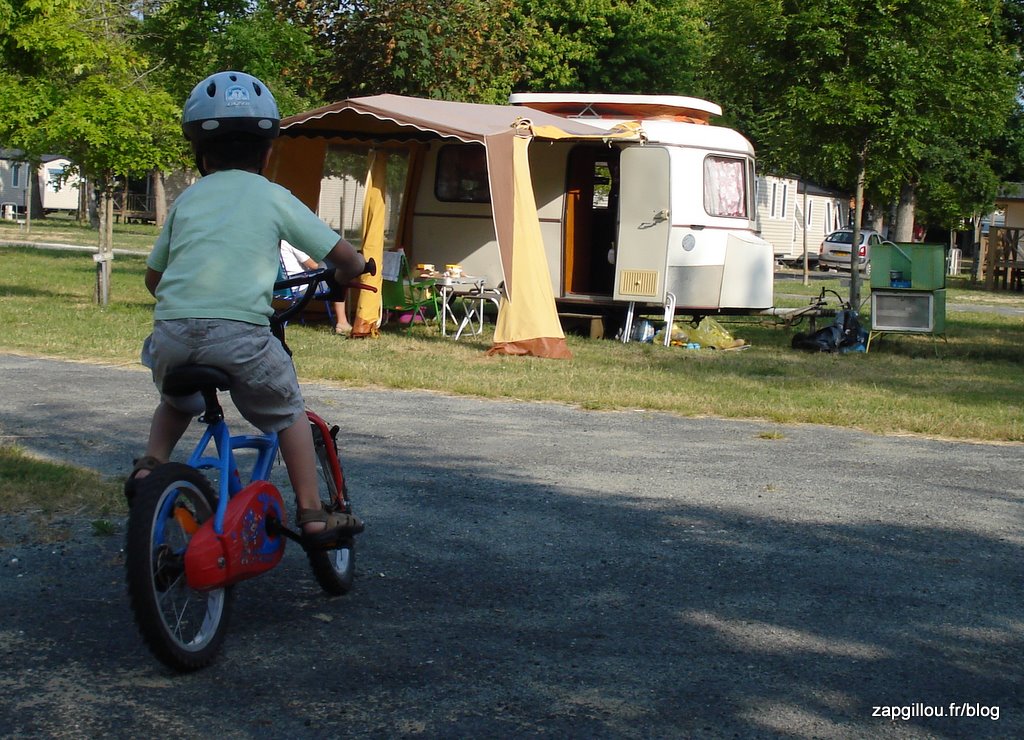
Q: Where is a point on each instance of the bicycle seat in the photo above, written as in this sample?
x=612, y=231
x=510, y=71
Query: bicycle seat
x=185, y=380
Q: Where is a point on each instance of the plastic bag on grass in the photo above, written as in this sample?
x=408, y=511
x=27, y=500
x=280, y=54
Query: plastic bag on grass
x=708, y=334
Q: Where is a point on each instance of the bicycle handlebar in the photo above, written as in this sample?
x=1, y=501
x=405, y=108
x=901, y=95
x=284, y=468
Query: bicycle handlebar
x=312, y=280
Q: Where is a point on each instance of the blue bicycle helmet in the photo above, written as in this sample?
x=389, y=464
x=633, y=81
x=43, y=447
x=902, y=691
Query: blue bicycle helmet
x=230, y=102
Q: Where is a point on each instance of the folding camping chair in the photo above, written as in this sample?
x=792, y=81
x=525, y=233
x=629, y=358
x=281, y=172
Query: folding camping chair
x=473, y=303
x=400, y=294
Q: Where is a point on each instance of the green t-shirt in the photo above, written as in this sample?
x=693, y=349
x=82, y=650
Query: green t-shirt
x=219, y=250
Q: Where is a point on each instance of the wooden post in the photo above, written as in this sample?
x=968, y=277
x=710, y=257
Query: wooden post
x=105, y=254
x=995, y=238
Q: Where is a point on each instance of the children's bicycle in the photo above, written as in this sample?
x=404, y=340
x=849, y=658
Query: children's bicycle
x=188, y=543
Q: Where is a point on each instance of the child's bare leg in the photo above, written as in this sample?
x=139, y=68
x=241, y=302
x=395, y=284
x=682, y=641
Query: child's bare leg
x=167, y=427
x=300, y=459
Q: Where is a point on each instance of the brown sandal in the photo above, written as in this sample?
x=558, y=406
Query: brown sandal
x=147, y=462
x=337, y=527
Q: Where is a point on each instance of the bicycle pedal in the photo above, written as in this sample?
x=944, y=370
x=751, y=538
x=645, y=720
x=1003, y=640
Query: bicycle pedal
x=276, y=528
x=333, y=539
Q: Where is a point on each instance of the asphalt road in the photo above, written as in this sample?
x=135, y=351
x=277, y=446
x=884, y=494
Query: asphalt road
x=533, y=570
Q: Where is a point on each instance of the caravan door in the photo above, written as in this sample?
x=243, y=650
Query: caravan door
x=645, y=224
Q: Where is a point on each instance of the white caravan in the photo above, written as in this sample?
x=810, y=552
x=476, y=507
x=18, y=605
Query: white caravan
x=664, y=216
x=669, y=219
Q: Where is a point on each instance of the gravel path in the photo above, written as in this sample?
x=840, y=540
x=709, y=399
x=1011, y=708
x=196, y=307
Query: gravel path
x=533, y=570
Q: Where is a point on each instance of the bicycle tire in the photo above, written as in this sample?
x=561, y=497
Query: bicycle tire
x=182, y=627
x=333, y=569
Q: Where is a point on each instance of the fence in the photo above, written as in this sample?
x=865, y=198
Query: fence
x=1004, y=258
x=134, y=207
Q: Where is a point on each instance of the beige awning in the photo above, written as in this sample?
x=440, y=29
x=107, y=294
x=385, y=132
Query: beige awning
x=528, y=321
x=398, y=118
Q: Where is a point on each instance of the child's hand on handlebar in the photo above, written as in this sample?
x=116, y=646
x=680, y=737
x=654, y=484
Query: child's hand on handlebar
x=371, y=267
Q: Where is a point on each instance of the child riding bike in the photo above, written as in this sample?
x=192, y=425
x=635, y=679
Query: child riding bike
x=212, y=272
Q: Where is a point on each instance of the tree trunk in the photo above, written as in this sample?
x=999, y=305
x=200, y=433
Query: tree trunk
x=905, y=213
x=803, y=231
x=125, y=202
x=105, y=254
x=30, y=199
x=84, y=193
x=858, y=208
x=877, y=220
x=976, y=248
x=94, y=206
x=159, y=198
x=36, y=185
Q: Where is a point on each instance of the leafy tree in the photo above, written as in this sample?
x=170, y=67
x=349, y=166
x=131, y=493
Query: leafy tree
x=1009, y=148
x=481, y=50
x=195, y=38
x=73, y=83
x=641, y=46
x=467, y=50
x=867, y=95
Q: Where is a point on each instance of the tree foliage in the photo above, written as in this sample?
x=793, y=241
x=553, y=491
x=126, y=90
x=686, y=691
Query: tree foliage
x=468, y=50
x=72, y=82
x=907, y=92
x=195, y=38
x=649, y=46
x=912, y=91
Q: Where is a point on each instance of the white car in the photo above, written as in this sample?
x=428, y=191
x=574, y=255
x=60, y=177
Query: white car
x=835, y=250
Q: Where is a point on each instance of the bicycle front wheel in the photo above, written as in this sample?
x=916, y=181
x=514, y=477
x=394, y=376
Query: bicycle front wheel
x=334, y=569
x=181, y=626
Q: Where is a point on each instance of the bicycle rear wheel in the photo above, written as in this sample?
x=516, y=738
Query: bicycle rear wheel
x=334, y=569
x=181, y=626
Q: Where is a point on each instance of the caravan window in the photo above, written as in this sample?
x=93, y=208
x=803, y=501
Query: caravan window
x=462, y=174
x=725, y=187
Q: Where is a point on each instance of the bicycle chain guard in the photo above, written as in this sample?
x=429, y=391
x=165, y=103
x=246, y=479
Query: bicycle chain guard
x=245, y=549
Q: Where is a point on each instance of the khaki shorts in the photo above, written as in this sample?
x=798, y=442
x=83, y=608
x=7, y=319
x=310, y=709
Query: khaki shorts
x=264, y=387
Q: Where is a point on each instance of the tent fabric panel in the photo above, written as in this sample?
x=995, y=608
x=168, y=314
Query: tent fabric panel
x=414, y=171
x=368, y=308
x=501, y=181
x=291, y=161
x=527, y=318
x=548, y=348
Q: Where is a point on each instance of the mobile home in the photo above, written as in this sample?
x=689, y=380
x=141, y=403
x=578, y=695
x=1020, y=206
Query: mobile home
x=794, y=215
x=59, y=190
x=51, y=190
x=636, y=199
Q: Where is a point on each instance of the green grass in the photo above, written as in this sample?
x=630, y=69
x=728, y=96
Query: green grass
x=63, y=229
x=968, y=386
x=45, y=490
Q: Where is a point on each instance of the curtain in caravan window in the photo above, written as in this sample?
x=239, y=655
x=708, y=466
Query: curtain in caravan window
x=725, y=187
